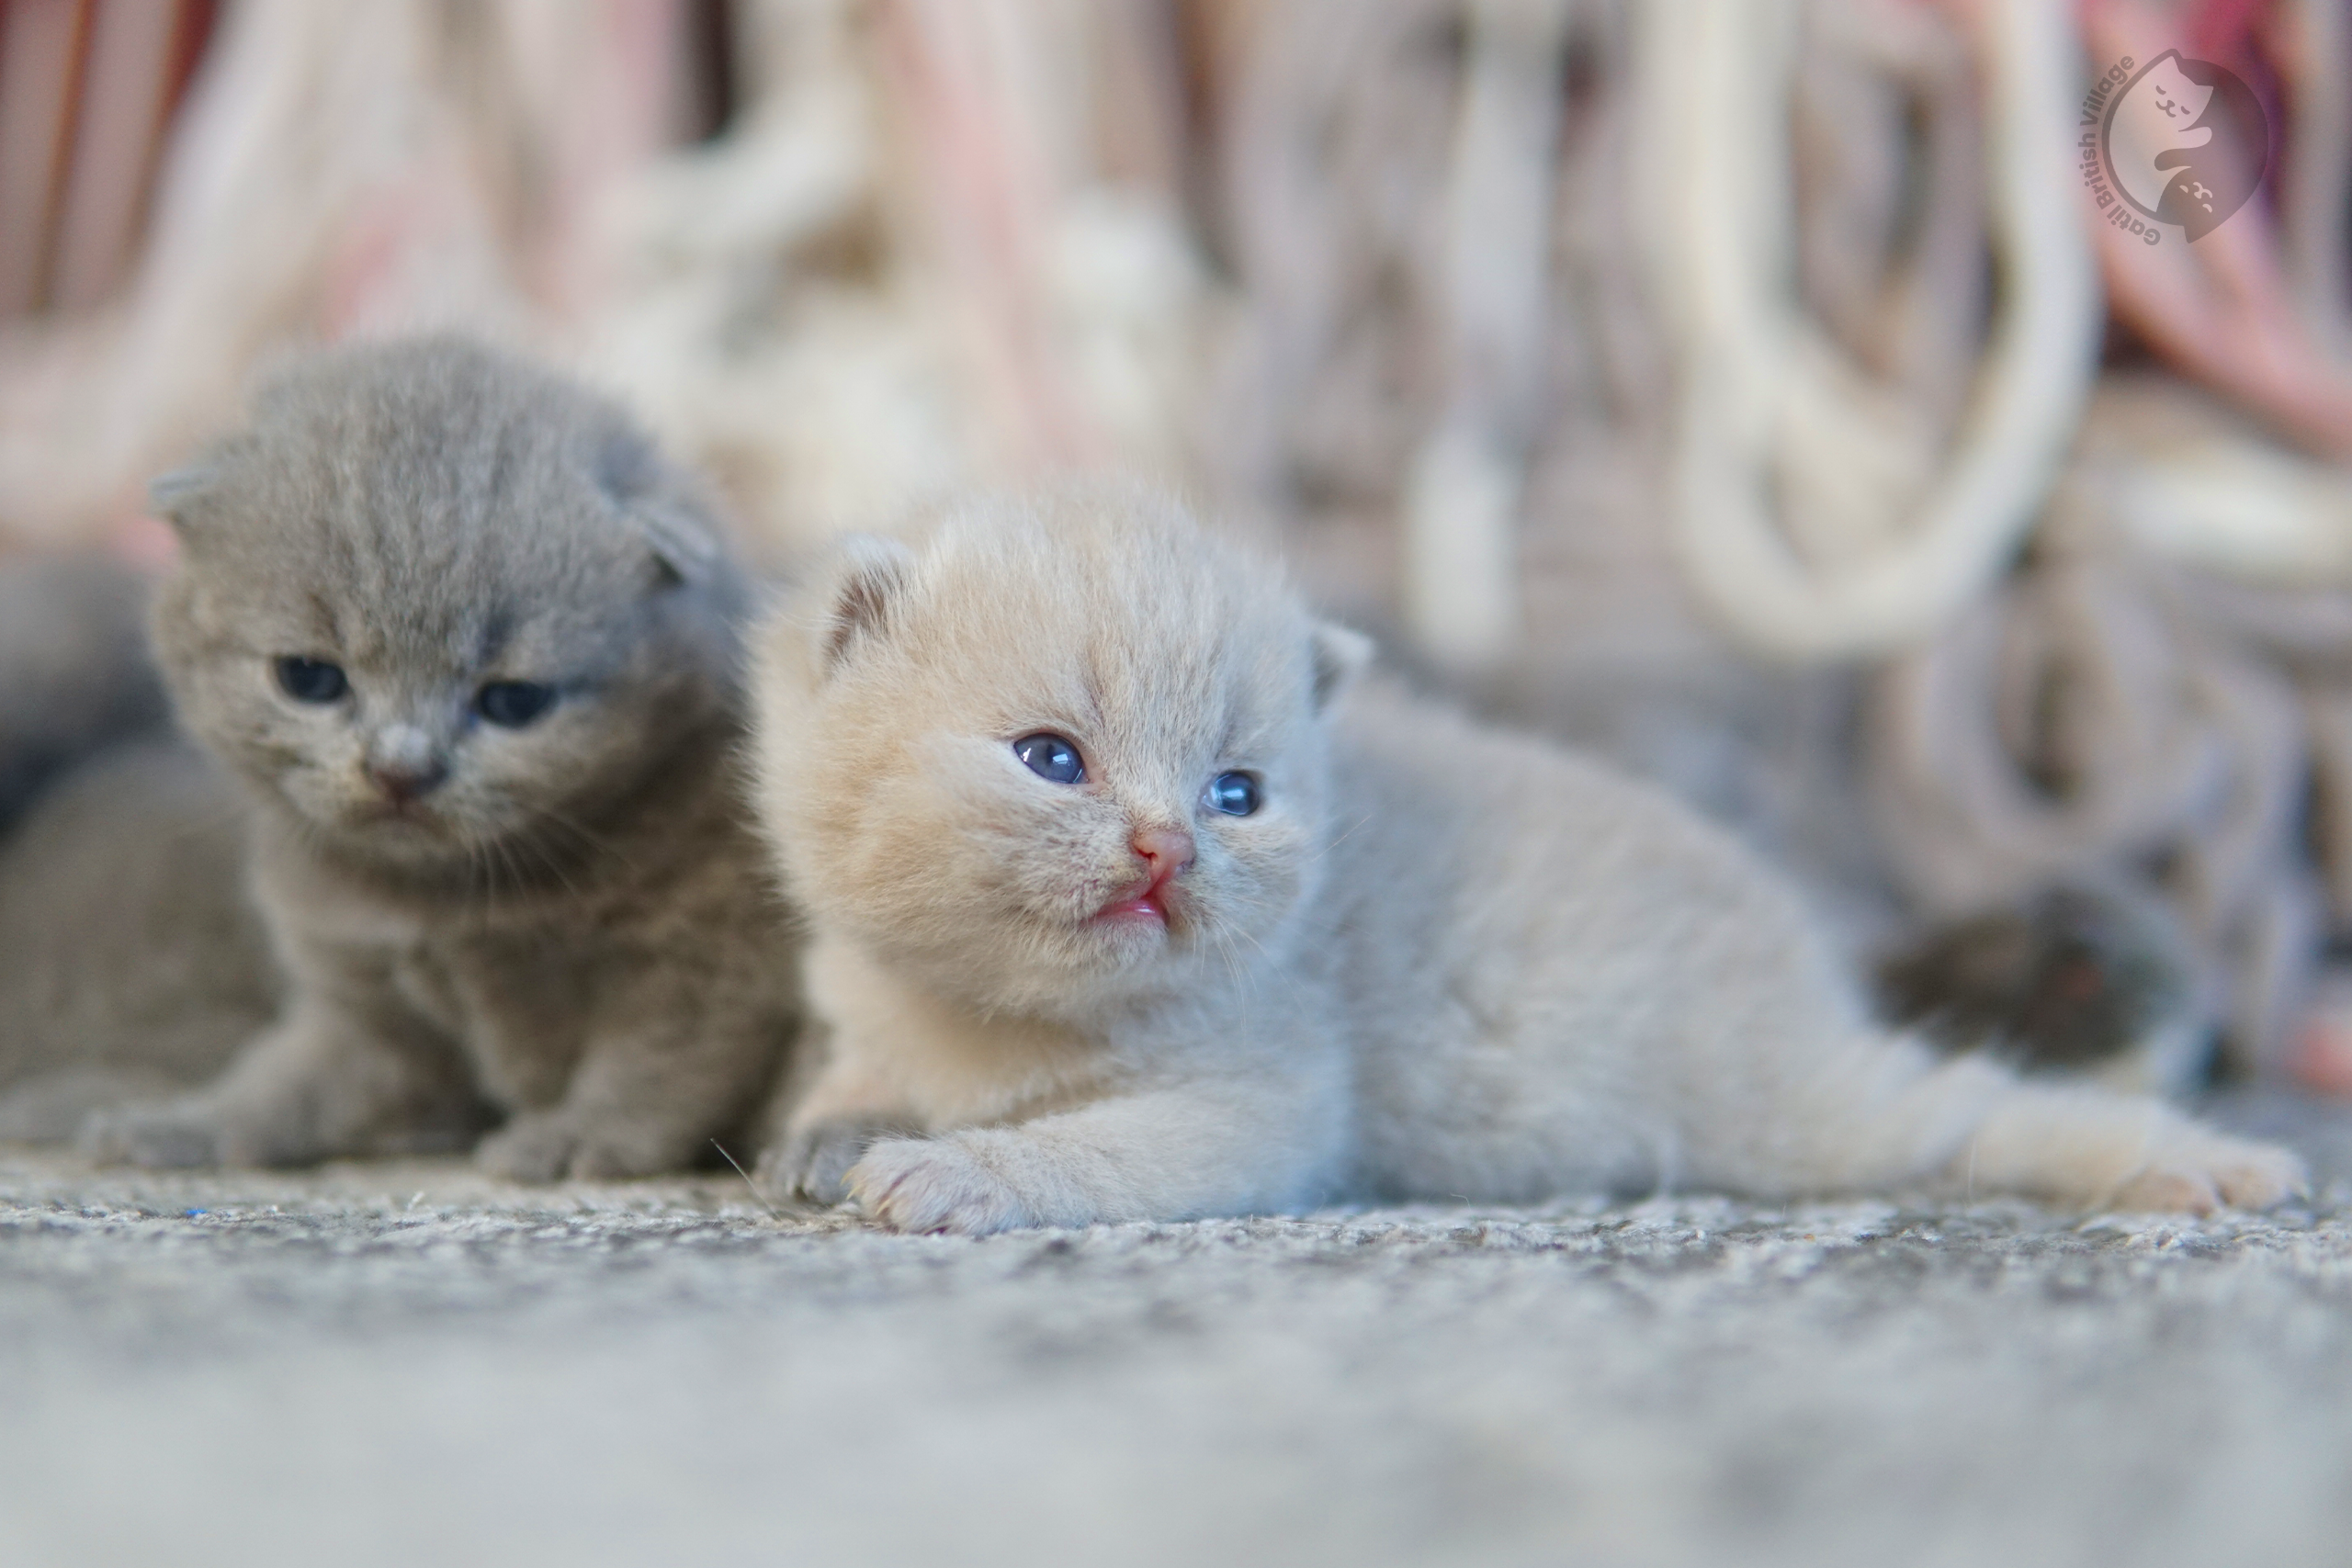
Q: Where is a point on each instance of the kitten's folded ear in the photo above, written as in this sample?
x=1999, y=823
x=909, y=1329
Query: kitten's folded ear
x=1339, y=656
x=855, y=592
x=171, y=493
x=683, y=537
x=659, y=503
x=179, y=496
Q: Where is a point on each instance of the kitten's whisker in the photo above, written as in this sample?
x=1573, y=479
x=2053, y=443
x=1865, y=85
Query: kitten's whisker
x=496, y=856
x=587, y=836
x=1242, y=978
x=773, y=1211
x=1317, y=854
x=481, y=866
x=510, y=860
x=549, y=861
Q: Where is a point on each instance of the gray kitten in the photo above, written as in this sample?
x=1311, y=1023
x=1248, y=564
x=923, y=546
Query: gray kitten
x=470, y=648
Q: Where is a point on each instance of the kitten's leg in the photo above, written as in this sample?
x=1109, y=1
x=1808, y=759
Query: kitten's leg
x=49, y=1108
x=667, y=1070
x=1234, y=1147
x=825, y=1125
x=324, y=1082
x=1883, y=1113
x=811, y=1163
x=846, y=1113
x=2091, y=1147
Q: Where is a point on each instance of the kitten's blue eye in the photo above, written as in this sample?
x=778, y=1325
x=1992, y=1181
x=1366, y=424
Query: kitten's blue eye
x=1236, y=794
x=311, y=680
x=513, y=704
x=1051, y=757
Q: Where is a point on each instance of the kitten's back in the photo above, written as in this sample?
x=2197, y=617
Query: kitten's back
x=1516, y=927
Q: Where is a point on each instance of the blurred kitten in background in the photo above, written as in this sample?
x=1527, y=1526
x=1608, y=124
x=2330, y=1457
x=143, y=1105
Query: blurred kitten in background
x=469, y=649
x=132, y=960
x=2084, y=978
x=1128, y=902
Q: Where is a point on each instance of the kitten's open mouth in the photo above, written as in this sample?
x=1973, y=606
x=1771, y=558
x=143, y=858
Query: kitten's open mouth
x=1147, y=903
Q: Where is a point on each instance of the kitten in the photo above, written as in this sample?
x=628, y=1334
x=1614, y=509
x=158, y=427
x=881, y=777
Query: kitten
x=132, y=963
x=472, y=651
x=1126, y=904
x=75, y=676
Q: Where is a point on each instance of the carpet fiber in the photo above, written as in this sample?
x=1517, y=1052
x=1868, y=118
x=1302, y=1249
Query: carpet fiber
x=412, y=1364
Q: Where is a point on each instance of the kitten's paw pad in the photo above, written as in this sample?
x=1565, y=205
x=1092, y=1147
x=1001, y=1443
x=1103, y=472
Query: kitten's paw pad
x=812, y=1164
x=547, y=1145
x=933, y=1184
x=161, y=1137
x=2214, y=1173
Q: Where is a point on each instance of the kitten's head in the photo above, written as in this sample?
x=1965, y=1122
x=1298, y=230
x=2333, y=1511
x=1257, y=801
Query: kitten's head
x=1067, y=751
x=443, y=606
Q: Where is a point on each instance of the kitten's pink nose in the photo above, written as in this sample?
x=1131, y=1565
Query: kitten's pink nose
x=1168, y=851
x=404, y=782
x=404, y=763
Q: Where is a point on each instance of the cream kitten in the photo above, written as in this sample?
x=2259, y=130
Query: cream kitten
x=1127, y=906
x=471, y=650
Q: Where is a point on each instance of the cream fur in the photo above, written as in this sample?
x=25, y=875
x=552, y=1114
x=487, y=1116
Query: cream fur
x=1439, y=962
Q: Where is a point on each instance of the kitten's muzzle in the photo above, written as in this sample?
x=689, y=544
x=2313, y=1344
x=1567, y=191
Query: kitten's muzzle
x=1168, y=852
x=402, y=785
x=405, y=765
x=1167, y=855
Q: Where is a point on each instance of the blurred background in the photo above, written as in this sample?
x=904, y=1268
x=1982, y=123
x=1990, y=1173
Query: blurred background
x=1756, y=391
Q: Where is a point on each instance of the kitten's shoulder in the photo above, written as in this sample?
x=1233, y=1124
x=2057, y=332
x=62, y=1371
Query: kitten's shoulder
x=1420, y=771
x=1385, y=735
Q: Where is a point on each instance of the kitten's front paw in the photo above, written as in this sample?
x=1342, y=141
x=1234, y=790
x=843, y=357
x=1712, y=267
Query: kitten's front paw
x=550, y=1145
x=812, y=1164
x=2207, y=1172
x=175, y=1136
x=935, y=1184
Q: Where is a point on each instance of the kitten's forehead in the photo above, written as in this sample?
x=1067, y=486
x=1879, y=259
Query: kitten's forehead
x=428, y=501
x=1121, y=617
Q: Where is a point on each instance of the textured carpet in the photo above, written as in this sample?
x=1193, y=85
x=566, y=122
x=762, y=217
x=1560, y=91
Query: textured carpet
x=410, y=1364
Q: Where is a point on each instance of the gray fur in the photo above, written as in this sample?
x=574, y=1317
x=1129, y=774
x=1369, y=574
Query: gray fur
x=132, y=961
x=74, y=674
x=813, y=1162
x=571, y=932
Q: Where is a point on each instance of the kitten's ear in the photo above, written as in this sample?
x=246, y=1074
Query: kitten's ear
x=1340, y=655
x=683, y=545
x=867, y=576
x=175, y=496
x=633, y=477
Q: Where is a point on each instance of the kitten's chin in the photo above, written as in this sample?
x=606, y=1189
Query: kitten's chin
x=1065, y=972
x=1133, y=948
x=412, y=838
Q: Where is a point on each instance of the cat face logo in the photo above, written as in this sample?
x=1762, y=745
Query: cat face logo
x=2185, y=142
